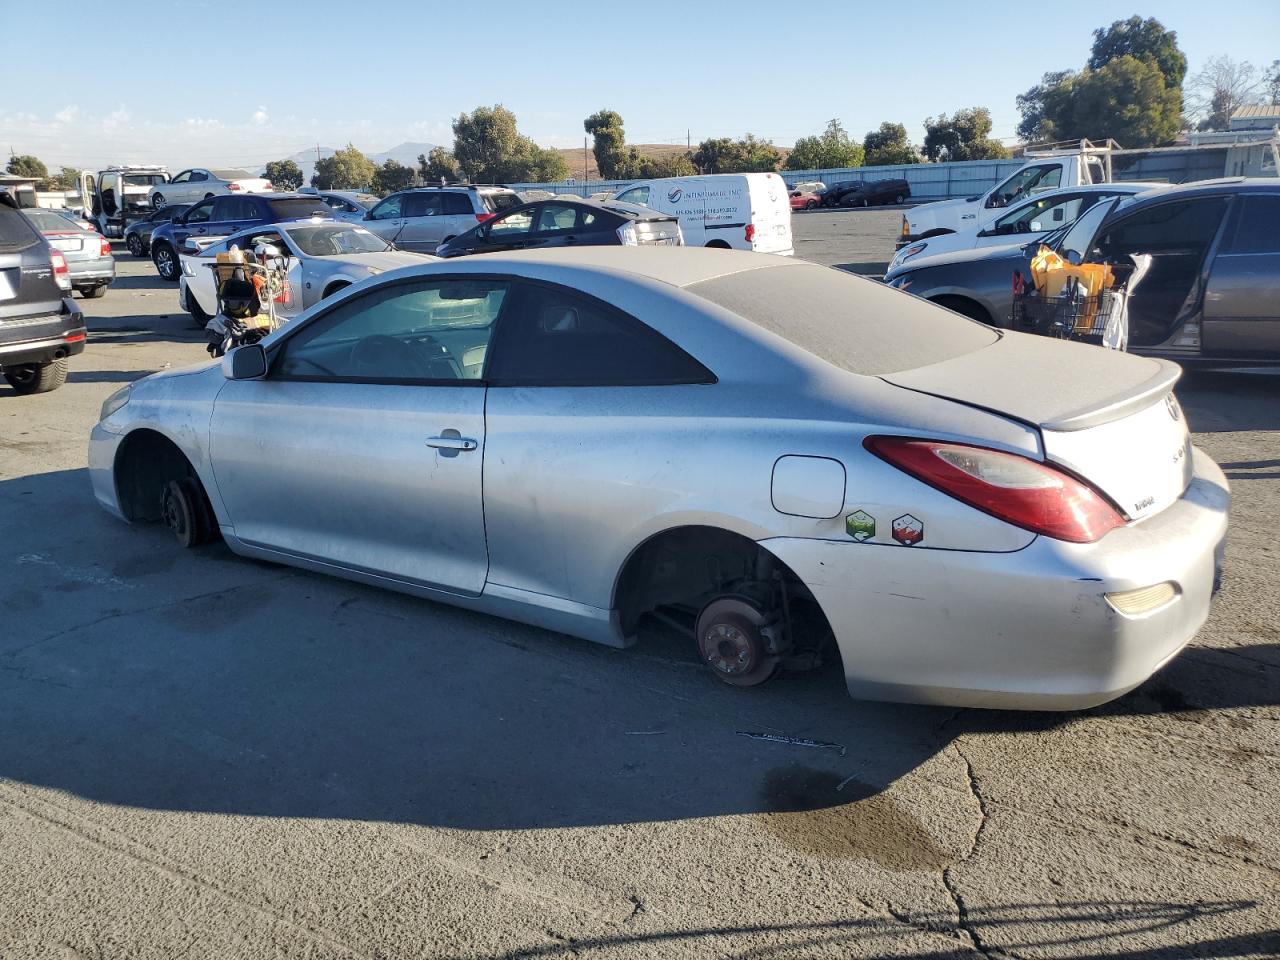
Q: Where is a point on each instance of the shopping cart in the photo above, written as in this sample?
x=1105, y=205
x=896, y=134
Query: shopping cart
x=1072, y=315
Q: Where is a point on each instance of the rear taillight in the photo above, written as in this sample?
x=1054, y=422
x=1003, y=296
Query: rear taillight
x=268, y=186
x=750, y=233
x=628, y=236
x=233, y=186
x=482, y=217
x=1016, y=489
x=76, y=337
x=105, y=249
x=61, y=274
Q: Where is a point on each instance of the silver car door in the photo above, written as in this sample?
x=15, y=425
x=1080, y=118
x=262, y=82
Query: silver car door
x=386, y=220
x=423, y=225
x=363, y=445
x=1242, y=299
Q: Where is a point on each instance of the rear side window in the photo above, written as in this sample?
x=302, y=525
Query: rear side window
x=497, y=202
x=1259, y=229
x=15, y=232
x=551, y=336
x=298, y=208
x=857, y=324
x=455, y=204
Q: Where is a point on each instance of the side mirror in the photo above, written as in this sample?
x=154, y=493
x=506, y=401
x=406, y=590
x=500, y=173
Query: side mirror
x=189, y=246
x=990, y=232
x=245, y=363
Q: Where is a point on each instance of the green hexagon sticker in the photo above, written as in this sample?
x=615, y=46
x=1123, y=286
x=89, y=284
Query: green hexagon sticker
x=860, y=525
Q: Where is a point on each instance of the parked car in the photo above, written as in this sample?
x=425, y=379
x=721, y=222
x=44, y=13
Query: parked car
x=199, y=184
x=805, y=199
x=349, y=205
x=322, y=258
x=1039, y=215
x=857, y=193
x=90, y=265
x=568, y=221
x=40, y=325
x=223, y=216
x=423, y=218
x=744, y=211
x=137, y=235
x=768, y=452
x=1206, y=258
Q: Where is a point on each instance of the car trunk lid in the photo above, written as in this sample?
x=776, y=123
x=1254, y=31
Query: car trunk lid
x=1108, y=417
x=658, y=231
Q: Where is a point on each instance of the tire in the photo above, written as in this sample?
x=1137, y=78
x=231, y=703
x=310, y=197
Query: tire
x=94, y=293
x=899, y=199
x=731, y=644
x=198, y=317
x=719, y=245
x=166, y=260
x=811, y=205
x=135, y=245
x=157, y=201
x=185, y=511
x=29, y=378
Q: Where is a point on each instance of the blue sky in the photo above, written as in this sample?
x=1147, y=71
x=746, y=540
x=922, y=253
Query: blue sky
x=214, y=85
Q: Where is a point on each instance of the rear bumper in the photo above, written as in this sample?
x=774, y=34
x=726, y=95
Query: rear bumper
x=84, y=270
x=45, y=350
x=1028, y=630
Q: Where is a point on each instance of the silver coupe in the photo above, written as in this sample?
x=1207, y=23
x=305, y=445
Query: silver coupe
x=788, y=462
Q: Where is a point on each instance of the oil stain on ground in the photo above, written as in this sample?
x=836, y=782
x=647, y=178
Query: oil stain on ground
x=808, y=814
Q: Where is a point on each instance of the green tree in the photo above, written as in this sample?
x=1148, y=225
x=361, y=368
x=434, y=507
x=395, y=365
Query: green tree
x=889, y=145
x=490, y=149
x=393, y=176
x=1040, y=106
x=284, y=174
x=25, y=165
x=965, y=135
x=828, y=150
x=439, y=165
x=1145, y=40
x=649, y=168
x=726, y=155
x=609, y=145
x=68, y=178
x=347, y=169
x=1126, y=100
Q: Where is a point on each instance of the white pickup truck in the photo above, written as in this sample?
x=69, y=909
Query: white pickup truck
x=1249, y=154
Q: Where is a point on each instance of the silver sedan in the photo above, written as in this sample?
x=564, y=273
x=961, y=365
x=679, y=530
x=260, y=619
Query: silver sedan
x=321, y=257
x=788, y=462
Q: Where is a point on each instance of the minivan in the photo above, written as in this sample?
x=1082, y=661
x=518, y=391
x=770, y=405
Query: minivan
x=745, y=211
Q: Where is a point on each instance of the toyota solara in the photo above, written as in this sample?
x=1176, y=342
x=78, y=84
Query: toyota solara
x=787, y=462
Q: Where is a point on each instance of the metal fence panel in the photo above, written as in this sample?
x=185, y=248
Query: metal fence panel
x=928, y=181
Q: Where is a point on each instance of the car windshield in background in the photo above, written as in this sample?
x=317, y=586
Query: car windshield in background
x=233, y=174
x=299, y=208
x=854, y=323
x=144, y=179
x=331, y=240
x=14, y=231
x=47, y=221
x=498, y=202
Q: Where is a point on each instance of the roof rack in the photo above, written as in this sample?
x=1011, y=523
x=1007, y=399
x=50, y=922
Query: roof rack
x=459, y=185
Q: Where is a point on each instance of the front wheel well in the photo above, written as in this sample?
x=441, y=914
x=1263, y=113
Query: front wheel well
x=683, y=568
x=334, y=287
x=964, y=306
x=144, y=465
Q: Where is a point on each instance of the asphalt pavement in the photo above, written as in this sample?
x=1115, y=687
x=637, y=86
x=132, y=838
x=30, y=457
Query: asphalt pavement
x=206, y=757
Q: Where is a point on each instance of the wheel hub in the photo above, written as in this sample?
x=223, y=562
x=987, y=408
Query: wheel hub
x=728, y=649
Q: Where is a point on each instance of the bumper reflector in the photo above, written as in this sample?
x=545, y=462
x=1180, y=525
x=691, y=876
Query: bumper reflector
x=1143, y=600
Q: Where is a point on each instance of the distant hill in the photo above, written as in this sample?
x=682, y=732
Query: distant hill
x=573, y=156
x=406, y=153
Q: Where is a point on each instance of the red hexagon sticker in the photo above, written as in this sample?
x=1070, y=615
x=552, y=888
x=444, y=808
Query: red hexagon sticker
x=907, y=530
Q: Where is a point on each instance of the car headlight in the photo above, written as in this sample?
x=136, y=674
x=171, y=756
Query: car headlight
x=900, y=282
x=115, y=401
x=187, y=269
x=911, y=251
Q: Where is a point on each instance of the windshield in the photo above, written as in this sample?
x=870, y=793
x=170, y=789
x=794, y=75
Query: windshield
x=333, y=240
x=299, y=208
x=1079, y=236
x=14, y=233
x=47, y=221
x=498, y=202
x=233, y=174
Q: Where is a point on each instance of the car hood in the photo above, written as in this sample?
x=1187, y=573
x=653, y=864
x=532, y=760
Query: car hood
x=1012, y=251
x=388, y=260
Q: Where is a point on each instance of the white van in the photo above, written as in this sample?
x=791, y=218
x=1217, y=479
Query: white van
x=745, y=211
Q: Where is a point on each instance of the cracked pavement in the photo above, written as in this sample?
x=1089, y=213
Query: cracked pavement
x=208, y=757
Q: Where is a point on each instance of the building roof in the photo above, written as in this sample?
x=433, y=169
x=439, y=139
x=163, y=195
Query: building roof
x=1257, y=111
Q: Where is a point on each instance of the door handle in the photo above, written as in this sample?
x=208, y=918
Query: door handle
x=452, y=443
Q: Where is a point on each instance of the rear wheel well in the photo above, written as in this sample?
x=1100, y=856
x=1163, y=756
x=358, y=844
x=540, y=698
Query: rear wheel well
x=963, y=305
x=334, y=287
x=145, y=463
x=683, y=568
x=719, y=245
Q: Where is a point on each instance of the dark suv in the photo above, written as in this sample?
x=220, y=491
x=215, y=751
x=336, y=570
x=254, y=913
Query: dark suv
x=858, y=193
x=40, y=326
x=224, y=215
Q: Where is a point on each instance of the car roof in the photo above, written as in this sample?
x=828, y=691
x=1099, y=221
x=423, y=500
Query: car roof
x=678, y=266
x=633, y=211
x=1219, y=187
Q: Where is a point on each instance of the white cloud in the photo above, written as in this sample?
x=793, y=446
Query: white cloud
x=116, y=118
x=198, y=122
x=260, y=116
x=67, y=114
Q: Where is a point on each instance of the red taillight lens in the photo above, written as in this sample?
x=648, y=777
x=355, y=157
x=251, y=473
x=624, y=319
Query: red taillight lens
x=750, y=233
x=268, y=186
x=233, y=186
x=74, y=337
x=482, y=217
x=105, y=250
x=61, y=274
x=1018, y=490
